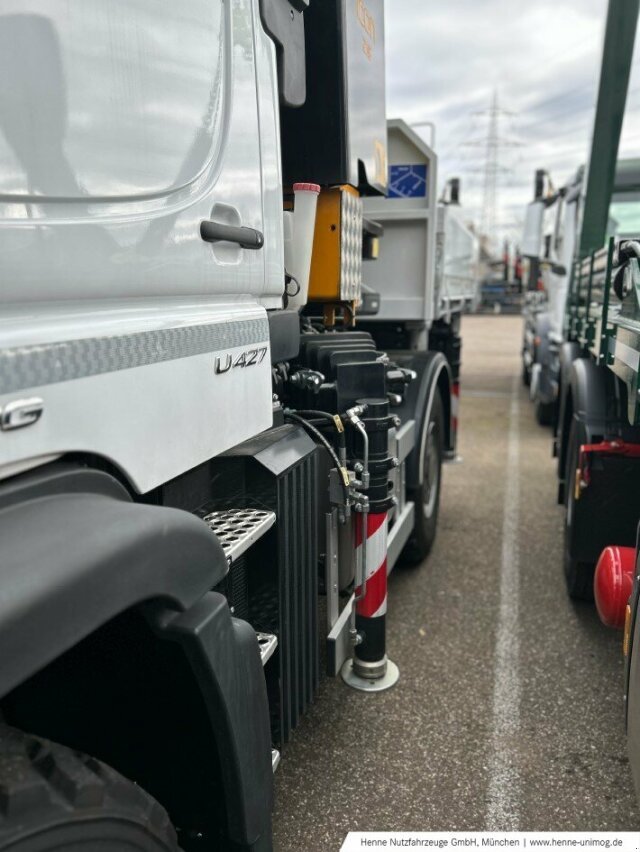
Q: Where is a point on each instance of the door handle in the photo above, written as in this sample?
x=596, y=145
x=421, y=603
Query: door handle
x=217, y=232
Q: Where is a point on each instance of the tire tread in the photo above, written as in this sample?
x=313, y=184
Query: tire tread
x=42, y=783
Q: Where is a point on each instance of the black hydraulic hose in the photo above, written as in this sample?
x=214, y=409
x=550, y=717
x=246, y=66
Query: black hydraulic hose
x=320, y=415
x=317, y=434
x=330, y=418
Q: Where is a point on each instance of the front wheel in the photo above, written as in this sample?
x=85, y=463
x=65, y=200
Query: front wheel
x=427, y=497
x=58, y=800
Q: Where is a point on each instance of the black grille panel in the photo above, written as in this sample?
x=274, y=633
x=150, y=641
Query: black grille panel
x=297, y=553
x=279, y=578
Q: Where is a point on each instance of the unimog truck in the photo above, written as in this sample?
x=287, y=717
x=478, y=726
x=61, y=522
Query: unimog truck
x=208, y=466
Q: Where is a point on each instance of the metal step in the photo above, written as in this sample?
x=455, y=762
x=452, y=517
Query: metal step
x=268, y=642
x=275, y=759
x=238, y=529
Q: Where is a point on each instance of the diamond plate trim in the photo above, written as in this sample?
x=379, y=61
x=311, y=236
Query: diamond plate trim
x=33, y=366
x=351, y=248
x=267, y=642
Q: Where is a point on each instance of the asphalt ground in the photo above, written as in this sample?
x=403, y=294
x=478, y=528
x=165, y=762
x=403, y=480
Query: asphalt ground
x=508, y=713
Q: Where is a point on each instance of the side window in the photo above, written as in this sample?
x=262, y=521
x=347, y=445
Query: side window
x=111, y=100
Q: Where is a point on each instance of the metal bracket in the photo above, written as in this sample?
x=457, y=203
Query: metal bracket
x=339, y=644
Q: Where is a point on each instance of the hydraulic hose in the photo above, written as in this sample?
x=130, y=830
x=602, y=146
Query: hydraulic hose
x=336, y=421
x=317, y=434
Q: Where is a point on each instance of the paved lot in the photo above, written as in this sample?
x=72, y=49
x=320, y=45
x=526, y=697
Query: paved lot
x=508, y=713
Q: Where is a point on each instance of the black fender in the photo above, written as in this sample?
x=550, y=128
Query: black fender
x=608, y=509
x=224, y=656
x=589, y=385
x=66, y=534
x=583, y=396
x=433, y=374
x=78, y=552
x=569, y=352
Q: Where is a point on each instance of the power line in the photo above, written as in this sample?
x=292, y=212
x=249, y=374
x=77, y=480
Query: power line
x=492, y=144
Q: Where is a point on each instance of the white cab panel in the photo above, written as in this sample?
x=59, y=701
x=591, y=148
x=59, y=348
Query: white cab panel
x=123, y=124
x=149, y=395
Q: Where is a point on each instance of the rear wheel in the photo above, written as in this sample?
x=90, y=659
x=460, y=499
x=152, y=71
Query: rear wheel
x=53, y=798
x=427, y=496
x=578, y=574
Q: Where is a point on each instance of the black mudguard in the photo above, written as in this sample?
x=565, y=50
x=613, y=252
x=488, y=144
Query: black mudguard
x=77, y=552
x=569, y=352
x=589, y=394
x=224, y=656
x=584, y=399
x=608, y=509
x=433, y=374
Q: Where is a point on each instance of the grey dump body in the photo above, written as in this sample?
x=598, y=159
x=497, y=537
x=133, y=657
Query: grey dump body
x=426, y=239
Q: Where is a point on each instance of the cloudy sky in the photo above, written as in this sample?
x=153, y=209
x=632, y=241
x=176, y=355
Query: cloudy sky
x=445, y=59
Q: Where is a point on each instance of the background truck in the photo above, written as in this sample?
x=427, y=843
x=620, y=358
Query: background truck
x=597, y=436
x=206, y=468
x=569, y=373
x=552, y=225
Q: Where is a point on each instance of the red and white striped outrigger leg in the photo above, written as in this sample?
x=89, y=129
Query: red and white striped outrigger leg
x=370, y=668
x=373, y=603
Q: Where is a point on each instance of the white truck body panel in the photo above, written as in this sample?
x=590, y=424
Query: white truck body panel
x=427, y=263
x=560, y=225
x=125, y=123
x=404, y=274
x=457, y=250
x=141, y=388
x=532, y=233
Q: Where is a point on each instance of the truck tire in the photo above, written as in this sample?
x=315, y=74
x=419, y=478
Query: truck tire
x=427, y=497
x=544, y=413
x=53, y=798
x=578, y=575
x=526, y=375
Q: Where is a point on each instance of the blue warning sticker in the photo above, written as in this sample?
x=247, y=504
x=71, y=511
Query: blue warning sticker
x=408, y=181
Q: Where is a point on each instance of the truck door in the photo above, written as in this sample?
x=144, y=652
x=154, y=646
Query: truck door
x=124, y=124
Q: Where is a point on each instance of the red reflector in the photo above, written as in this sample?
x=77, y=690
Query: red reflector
x=306, y=187
x=613, y=582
